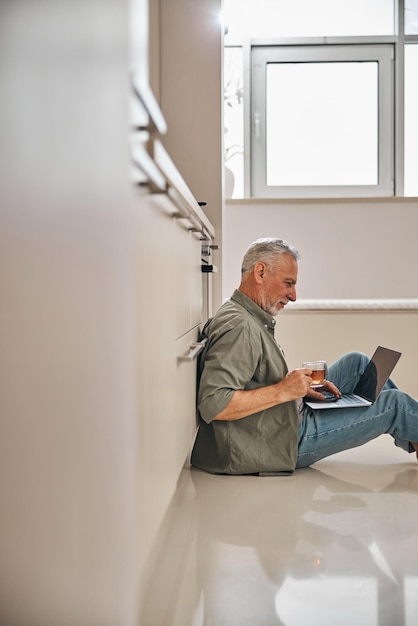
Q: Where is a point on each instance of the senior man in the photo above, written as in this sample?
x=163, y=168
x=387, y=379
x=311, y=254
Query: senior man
x=252, y=416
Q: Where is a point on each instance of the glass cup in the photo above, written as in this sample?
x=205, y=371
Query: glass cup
x=319, y=370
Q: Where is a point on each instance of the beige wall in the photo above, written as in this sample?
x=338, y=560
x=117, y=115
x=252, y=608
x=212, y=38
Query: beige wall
x=350, y=248
x=329, y=334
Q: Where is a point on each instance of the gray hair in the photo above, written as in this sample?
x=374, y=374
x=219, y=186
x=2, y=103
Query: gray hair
x=268, y=250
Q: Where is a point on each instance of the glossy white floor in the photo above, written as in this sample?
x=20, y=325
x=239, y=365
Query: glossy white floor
x=333, y=545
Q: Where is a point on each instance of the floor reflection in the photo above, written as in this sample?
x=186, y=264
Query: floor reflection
x=333, y=544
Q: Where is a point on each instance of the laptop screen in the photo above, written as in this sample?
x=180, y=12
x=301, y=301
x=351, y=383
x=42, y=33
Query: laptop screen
x=376, y=373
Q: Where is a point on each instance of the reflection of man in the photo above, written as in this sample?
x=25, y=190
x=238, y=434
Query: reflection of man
x=287, y=531
x=252, y=417
x=245, y=546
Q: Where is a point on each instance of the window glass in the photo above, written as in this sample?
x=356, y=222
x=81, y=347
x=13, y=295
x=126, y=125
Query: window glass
x=318, y=114
x=307, y=18
x=411, y=17
x=411, y=120
x=322, y=121
x=233, y=123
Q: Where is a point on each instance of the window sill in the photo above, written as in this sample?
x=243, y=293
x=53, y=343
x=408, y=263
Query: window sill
x=382, y=305
x=384, y=200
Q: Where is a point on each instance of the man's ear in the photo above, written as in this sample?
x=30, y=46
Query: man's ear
x=259, y=271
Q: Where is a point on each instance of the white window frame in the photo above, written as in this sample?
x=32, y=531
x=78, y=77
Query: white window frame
x=317, y=50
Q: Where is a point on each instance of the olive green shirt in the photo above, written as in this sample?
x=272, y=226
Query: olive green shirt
x=241, y=353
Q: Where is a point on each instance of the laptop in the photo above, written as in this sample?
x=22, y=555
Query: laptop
x=368, y=387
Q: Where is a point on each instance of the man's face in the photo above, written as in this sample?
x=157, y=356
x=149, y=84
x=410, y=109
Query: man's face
x=279, y=285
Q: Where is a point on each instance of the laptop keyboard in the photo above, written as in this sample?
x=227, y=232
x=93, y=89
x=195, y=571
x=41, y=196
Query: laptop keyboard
x=348, y=398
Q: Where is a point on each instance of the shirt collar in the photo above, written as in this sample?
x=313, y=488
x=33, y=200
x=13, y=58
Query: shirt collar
x=265, y=318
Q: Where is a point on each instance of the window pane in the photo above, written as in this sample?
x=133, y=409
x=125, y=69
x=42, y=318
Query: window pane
x=322, y=124
x=306, y=18
x=411, y=120
x=411, y=17
x=233, y=123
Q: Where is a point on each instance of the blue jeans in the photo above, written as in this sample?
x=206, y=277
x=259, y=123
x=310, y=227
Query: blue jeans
x=327, y=431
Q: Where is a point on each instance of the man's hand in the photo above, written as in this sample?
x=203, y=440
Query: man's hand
x=296, y=383
x=316, y=394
